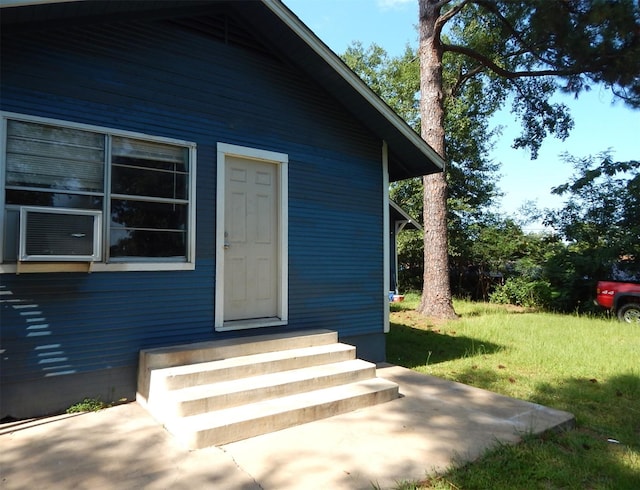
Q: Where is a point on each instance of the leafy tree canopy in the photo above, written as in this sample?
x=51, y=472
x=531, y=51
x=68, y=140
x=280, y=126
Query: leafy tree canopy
x=471, y=173
x=531, y=48
x=477, y=56
x=525, y=50
x=601, y=215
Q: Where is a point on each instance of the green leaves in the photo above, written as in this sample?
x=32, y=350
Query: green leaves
x=521, y=52
x=395, y=79
x=600, y=218
x=530, y=49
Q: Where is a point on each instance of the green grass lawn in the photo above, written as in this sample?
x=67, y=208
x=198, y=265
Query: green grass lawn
x=587, y=366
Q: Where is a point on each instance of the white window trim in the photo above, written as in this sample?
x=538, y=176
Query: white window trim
x=143, y=265
x=282, y=160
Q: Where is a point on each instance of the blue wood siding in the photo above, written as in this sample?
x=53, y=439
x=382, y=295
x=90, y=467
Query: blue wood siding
x=163, y=79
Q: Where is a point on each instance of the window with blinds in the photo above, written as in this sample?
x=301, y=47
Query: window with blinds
x=142, y=186
x=41, y=156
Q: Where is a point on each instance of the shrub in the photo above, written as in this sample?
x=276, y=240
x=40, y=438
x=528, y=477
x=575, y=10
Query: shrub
x=87, y=405
x=522, y=292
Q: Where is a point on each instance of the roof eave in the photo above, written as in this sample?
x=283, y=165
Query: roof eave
x=404, y=216
x=409, y=154
x=334, y=61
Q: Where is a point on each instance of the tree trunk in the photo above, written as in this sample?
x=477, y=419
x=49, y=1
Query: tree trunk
x=436, y=291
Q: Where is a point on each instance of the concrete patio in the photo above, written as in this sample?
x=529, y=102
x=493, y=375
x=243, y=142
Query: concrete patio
x=435, y=424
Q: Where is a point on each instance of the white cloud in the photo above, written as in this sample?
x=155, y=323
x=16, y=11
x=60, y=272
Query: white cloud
x=394, y=4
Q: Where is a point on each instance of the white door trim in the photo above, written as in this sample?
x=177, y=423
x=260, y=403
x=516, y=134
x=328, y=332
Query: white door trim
x=282, y=162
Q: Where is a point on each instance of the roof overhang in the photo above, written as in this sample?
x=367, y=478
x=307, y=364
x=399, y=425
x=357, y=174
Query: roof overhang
x=409, y=155
x=399, y=215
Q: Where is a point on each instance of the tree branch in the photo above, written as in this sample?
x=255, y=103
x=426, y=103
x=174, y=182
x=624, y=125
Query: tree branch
x=632, y=100
x=443, y=19
x=498, y=70
x=463, y=78
x=493, y=9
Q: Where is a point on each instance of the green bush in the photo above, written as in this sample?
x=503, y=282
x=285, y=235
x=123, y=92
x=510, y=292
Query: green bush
x=522, y=292
x=87, y=405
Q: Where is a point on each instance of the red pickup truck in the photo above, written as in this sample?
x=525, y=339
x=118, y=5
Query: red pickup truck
x=622, y=298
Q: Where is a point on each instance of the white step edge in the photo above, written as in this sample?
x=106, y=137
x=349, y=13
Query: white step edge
x=212, y=350
x=178, y=355
x=226, y=426
x=178, y=377
x=219, y=396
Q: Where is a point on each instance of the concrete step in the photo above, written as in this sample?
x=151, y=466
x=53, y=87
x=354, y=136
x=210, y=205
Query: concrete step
x=203, y=373
x=178, y=355
x=212, y=393
x=237, y=423
x=227, y=394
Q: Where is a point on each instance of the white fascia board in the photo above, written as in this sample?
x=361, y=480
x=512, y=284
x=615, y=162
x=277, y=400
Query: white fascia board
x=22, y=3
x=304, y=33
x=404, y=214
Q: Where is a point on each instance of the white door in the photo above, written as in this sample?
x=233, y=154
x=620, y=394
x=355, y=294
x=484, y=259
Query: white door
x=250, y=239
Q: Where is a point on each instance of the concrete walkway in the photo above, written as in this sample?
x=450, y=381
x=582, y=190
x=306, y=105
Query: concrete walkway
x=435, y=424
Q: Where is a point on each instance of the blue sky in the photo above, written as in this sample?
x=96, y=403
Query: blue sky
x=599, y=123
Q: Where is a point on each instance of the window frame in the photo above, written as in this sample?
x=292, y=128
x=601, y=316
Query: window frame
x=117, y=264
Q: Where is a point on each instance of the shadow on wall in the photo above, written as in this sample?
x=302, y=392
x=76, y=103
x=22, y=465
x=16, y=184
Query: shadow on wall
x=27, y=343
x=43, y=337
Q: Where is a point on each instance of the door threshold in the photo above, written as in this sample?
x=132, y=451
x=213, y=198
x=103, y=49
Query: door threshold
x=251, y=323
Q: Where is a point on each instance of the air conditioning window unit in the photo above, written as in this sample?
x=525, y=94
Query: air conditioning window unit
x=59, y=234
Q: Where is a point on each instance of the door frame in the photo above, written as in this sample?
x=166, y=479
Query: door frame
x=281, y=160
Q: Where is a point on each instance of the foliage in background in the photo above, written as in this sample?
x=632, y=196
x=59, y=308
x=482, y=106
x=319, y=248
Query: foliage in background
x=523, y=292
x=490, y=256
x=521, y=51
x=601, y=215
x=471, y=175
x=594, y=235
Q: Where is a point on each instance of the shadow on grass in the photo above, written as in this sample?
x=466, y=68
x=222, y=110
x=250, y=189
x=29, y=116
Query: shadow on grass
x=412, y=347
x=602, y=451
x=609, y=407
